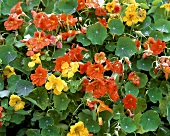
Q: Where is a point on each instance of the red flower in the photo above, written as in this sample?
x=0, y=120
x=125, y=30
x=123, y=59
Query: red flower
x=117, y=8
x=51, y=23
x=137, y=42
x=68, y=19
x=100, y=11
x=13, y=22
x=39, y=78
x=149, y=43
x=75, y=53
x=102, y=21
x=0, y=124
x=83, y=67
x=84, y=84
x=17, y=9
x=158, y=47
x=91, y=104
x=112, y=89
x=70, y=33
x=134, y=78
x=118, y=67
x=129, y=101
x=97, y=87
x=92, y=4
x=60, y=60
x=95, y=71
x=81, y=4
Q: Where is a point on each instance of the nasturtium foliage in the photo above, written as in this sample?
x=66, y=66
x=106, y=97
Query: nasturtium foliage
x=150, y=120
x=116, y=26
x=118, y=109
x=96, y=33
x=17, y=118
x=143, y=79
x=125, y=47
x=61, y=101
x=33, y=132
x=1, y=84
x=130, y=88
x=39, y=97
x=128, y=125
x=110, y=46
x=67, y=6
x=45, y=121
x=144, y=64
x=24, y=87
x=162, y=25
x=7, y=54
x=141, y=105
x=154, y=94
x=83, y=39
x=51, y=131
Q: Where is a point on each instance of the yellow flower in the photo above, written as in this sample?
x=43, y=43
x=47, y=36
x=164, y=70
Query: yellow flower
x=166, y=6
x=131, y=8
x=130, y=18
x=110, y=6
x=68, y=71
x=57, y=84
x=141, y=15
x=35, y=60
x=8, y=71
x=16, y=102
x=78, y=130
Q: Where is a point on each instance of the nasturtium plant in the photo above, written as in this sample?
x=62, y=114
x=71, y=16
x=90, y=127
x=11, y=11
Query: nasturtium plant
x=84, y=67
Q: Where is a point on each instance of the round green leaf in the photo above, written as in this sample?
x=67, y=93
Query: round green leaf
x=130, y=88
x=116, y=27
x=144, y=64
x=59, y=52
x=150, y=120
x=61, y=101
x=67, y=6
x=50, y=131
x=7, y=54
x=164, y=87
x=159, y=13
x=166, y=37
x=24, y=87
x=128, y=125
x=162, y=25
x=145, y=23
x=39, y=97
x=54, y=114
x=92, y=126
x=146, y=31
x=45, y=121
x=33, y=132
x=110, y=46
x=83, y=39
x=143, y=79
x=141, y=105
x=154, y=94
x=125, y=47
x=118, y=109
x=17, y=118
x=156, y=35
x=96, y=33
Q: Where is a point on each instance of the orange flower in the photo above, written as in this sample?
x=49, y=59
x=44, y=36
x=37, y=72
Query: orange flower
x=102, y=106
x=39, y=78
x=84, y=84
x=70, y=33
x=97, y=87
x=81, y=4
x=129, y=101
x=158, y=47
x=102, y=21
x=134, y=78
x=92, y=4
x=149, y=43
x=51, y=23
x=95, y=71
x=137, y=42
x=100, y=57
x=112, y=89
x=17, y=9
x=117, y=8
x=39, y=19
x=13, y=22
x=68, y=19
x=60, y=60
x=166, y=70
x=100, y=11
x=38, y=42
x=118, y=67
x=83, y=67
x=75, y=53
